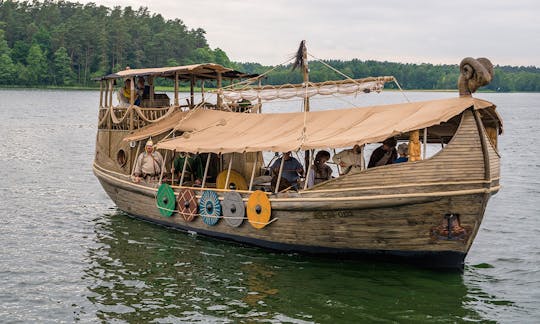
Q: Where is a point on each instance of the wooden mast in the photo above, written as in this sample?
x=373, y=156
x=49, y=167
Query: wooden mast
x=305, y=73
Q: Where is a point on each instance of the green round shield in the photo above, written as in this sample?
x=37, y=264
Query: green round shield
x=165, y=200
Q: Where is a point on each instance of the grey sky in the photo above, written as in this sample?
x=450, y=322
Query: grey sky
x=413, y=31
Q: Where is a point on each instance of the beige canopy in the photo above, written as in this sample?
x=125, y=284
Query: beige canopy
x=201, y=71
x=160, y=127
x=226, y=132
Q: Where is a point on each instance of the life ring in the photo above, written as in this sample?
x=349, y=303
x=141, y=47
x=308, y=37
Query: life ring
x=209, y=207
x=233, y=208
x=187, y=204
x=165, y=200
x=236, y=181
x=258, y=209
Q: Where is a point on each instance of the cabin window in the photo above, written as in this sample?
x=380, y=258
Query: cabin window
x=121, y=158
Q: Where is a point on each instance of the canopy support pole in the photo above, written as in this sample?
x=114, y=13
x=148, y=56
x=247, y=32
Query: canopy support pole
x=162, y=167
x=176, y=89
x=191, y=94
x=202, y=90
x=101, y=94
x=414, y=145
x=228, y=173
x=151, y=84
x=219, y=102
x=206, y=169
x=131, y=102
x=253, y=171
x=172, y=167
x=279, y=174
x=425, y=144
x=135, y=160
x=183, y=169
x=337, y=164
x=259, y=100
x=111, y=90
x=362, y=161
x=308, y=170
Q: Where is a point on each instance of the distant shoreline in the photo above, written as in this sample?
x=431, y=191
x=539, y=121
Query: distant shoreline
x=198, y=90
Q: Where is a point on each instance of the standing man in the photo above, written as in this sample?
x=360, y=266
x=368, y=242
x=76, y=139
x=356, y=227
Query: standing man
x=350, y=160
x=149, y=164
x=384, y=154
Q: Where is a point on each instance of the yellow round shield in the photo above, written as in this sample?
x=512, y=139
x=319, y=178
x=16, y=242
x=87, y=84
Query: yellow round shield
x=258, y=209
x=236, y=181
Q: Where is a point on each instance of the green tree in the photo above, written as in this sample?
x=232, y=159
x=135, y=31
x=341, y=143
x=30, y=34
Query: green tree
x=36, y=65
x=63, y=72
x=7, y=68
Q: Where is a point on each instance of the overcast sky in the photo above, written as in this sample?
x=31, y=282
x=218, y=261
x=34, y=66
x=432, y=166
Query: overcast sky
x=412, y=31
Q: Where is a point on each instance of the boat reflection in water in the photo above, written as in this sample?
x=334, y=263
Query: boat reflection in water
x=142, y=272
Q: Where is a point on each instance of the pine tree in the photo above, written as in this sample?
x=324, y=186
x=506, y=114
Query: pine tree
x=63, y=72
x=37, y=66
x=7, y=68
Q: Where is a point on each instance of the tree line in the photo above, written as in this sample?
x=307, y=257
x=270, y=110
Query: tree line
x=410, y=76
x=67, y=43
x=64, y=43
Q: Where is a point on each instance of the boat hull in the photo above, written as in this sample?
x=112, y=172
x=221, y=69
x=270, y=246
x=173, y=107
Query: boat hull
x=426, y=212
x=403, y=232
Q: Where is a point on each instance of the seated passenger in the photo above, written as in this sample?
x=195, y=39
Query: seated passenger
x=350, y=159
x=124, y=94
x=148, y=164
x=194, y=169
x=244, y=105
x=384, y=154
x=292, y=169
x=143, y=91
x=403, y=151
x=320, y=171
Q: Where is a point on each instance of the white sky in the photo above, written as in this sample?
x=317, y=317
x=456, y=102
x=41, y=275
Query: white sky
x=411, y=31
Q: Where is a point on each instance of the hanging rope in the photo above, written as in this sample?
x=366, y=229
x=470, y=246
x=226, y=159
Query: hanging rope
x=104, y=119
x=401, y=90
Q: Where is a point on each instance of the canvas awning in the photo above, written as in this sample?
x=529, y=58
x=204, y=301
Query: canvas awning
x=226, y=132
x=201, y=71
x=160, y=127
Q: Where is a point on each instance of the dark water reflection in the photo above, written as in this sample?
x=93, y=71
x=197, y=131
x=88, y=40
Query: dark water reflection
x=143, y=272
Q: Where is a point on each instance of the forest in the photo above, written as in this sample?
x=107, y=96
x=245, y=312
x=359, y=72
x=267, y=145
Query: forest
x=62, y=43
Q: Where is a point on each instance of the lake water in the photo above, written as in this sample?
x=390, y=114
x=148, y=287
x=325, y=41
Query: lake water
x=68, y=255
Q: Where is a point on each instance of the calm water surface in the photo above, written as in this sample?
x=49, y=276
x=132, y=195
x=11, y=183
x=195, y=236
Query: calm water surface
x=68, y=255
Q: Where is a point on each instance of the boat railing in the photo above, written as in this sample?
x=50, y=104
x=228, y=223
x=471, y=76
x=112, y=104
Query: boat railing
x=140, y=118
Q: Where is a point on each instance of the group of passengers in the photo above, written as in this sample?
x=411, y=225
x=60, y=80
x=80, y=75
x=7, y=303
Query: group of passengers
x=149, y=164
x=349, y=160
x=142, y=91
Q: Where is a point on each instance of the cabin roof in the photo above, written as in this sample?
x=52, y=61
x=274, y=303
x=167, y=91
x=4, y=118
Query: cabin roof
x=227, y=132
x=200, y=71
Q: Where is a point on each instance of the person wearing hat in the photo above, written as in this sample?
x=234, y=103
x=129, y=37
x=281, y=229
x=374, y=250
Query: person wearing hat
x=384, y=154
x=149, y=163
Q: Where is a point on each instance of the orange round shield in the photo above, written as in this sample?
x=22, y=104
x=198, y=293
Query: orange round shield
x=258, y=209
x=236, y=181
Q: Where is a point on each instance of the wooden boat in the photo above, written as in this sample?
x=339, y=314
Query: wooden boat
x=426, y=211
